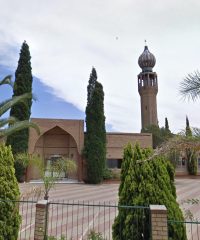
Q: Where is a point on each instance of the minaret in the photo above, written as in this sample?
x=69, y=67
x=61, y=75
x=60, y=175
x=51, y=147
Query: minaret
x=148, y=88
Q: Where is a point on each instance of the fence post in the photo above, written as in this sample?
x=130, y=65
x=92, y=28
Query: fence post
x=41, y=220
x=159, y=229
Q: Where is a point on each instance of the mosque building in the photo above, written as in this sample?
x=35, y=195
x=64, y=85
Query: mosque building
x=65, y=137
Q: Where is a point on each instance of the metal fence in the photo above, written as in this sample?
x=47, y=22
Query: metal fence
x=192, y=228
x=27, y=212
x=76, y=220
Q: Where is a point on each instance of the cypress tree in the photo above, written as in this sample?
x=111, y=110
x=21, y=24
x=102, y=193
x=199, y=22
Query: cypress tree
x=95, y=140
x=190, y=154
x=166, y=124
x=145, y=183
x=91, y=85
x=22, y=110
x=9, y=194
x=188, y=131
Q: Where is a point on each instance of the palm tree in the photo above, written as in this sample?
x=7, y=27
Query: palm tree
x=190, y=86
x=14, y=124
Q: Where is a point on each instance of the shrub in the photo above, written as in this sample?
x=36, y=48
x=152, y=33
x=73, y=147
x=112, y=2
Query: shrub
x=54, y=238
x=107, y=174
x=9, y=193
x=95, y=236
x=144, y=183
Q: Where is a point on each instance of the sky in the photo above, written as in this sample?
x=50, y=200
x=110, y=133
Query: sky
x=67, y=38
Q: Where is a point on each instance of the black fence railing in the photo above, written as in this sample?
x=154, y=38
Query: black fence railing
x=192, y=228
x=27, y=210
x=79, y=220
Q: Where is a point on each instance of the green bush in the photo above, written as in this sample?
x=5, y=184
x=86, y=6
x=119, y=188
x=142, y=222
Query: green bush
x=95, y=236
x=9, y=193
x=54, y=238
x=144, y=183
x=107, y=174
x=91, y=236
x=191, y=161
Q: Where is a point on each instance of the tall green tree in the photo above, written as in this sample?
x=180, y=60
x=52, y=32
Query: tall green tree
x=159, y=135
x=190, y=153
x=95, y=140
x=188, y=131
x=144, y=183
x=166, y=125
x=91, y=85
x=22, y=110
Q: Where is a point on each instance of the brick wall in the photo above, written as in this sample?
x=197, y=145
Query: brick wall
x=159, y=222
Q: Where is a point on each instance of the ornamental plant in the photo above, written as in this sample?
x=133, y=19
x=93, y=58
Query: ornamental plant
x=190, y=153
x=95, y=138
x=145, y=182
x=9, y=195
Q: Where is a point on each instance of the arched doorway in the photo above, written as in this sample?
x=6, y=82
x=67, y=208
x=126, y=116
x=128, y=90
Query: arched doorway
x=53, y=143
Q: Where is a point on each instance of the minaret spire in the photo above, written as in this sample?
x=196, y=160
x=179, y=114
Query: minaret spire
x=148, y=88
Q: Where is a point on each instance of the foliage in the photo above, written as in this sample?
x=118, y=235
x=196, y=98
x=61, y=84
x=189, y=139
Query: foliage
x=189, y=152
x=22, y=110
x=107, y=173
x=21, y=161
x=174, y=156
x=143, y=183
x=113, y=173
x=6, y=105
x=95, y=236
x=62, y=164
x=9, y=193
x=166, y=124
x=54, y=238
x=95, y=139
x=91, y=236
x=159, y=135
x=190, y=86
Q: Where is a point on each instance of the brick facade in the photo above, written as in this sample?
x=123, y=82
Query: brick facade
x=66, y=137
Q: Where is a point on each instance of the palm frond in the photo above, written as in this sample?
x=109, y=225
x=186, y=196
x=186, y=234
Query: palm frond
x=196, y=132
x=7, y=80
x=17, y=127
x=6, y=105
x=190, y=86
x=5, y=121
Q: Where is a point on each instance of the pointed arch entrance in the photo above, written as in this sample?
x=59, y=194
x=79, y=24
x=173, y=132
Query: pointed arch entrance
x=53, y=143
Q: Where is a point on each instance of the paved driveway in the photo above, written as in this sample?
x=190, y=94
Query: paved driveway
x=186, y=189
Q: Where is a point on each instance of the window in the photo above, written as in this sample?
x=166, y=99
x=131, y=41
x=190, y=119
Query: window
x=114, y=163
